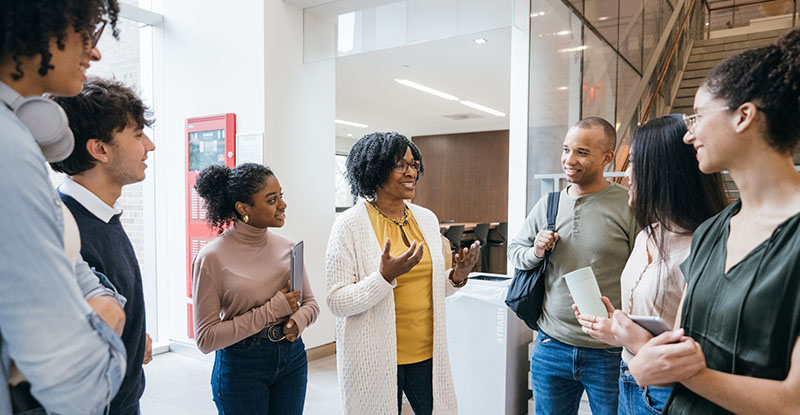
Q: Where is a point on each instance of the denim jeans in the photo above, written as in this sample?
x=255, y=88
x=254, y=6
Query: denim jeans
x=416, y=379
x=639, y=400
x=561, y=372
x=257, y=376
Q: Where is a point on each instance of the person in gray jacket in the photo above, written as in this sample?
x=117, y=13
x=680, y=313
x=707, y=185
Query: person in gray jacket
x=594, y=227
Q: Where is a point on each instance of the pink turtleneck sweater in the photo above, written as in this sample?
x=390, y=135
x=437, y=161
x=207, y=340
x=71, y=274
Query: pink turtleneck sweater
x=236, y=281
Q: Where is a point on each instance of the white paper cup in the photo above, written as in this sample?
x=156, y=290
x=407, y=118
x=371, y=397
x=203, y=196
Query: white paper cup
x=585, y=292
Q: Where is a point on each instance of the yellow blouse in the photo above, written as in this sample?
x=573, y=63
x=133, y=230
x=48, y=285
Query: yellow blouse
x=413, y=296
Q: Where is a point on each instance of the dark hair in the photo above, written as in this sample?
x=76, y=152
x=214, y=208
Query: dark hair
x=668, y=187
x=769, y=77
x=373, y=157
x=26, y=26
x=102, y=108
x=609, y=132
x=221, y=187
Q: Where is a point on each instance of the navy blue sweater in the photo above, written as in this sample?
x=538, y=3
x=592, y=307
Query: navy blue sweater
x=107, y=248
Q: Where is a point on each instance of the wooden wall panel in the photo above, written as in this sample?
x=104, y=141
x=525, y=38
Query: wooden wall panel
x=466, y=176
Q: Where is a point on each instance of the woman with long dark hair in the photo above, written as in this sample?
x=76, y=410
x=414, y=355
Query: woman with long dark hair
x=242, y=305
x=738, y=349
x=670, y=197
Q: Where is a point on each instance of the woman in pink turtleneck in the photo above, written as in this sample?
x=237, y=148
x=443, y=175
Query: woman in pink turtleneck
x=243, y=308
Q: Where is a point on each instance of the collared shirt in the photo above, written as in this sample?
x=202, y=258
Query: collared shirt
x=73, y=360
x=89, y=200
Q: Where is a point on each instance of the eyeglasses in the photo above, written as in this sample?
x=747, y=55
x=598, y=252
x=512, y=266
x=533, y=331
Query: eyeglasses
x=692, y=120
x=98, y=31
x=402, y=166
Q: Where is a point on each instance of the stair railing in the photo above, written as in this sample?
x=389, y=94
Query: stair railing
x=736, y=7
x=631, y=112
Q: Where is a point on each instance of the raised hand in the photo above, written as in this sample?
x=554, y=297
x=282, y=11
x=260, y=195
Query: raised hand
x=465, y=260
x=393, y=267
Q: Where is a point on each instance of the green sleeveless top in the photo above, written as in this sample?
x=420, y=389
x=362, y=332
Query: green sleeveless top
x=747, y=321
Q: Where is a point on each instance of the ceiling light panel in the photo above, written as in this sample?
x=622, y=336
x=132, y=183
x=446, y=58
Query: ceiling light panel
x=485, y=109
x=350, y=123
x=427, y=89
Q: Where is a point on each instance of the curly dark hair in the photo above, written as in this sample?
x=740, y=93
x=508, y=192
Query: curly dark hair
x=221, y=187
x=26, y=26
x=103, y=107
x=373, y=157
x=770, y=78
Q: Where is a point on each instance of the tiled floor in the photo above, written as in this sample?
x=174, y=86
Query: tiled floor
x=179, y=384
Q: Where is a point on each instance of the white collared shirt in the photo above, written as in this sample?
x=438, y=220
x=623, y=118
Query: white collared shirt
x=89, y=200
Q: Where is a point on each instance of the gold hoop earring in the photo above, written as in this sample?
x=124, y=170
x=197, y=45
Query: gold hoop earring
x=245, y=218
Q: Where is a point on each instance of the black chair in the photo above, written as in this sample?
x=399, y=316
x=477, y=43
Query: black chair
x=496, y=249
x=499, y=235
x=454, y=234
x=481, y=233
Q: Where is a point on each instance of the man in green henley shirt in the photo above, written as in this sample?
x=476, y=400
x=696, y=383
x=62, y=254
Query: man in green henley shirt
x=595, y=227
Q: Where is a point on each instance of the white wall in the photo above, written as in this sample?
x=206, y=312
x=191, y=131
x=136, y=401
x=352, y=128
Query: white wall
x=246, y=57
x=299, y=144
x=213, y=61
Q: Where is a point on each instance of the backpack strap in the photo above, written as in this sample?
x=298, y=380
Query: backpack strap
x=552, y=209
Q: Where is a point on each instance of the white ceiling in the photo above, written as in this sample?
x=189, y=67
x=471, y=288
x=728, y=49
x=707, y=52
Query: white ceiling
x=367, y=93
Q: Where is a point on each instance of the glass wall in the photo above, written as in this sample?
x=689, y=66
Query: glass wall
x=586, y=59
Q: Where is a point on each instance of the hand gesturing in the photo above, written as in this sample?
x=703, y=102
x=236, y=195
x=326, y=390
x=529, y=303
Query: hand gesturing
x=393, y=267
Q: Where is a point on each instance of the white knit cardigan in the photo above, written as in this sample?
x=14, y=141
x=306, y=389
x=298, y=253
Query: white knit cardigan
x=362, y=300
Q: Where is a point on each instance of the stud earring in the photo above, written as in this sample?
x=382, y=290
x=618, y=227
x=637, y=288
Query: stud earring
x=105, y=158
x=246, y=218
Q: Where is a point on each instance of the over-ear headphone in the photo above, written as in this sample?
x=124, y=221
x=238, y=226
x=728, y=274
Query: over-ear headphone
x=46, y=120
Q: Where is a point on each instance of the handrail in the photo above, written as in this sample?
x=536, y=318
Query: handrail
x=666, y=65
x=646, y=79
x=732, y=6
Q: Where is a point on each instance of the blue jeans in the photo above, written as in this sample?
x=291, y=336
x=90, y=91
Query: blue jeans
x=257, y=376
x=561, y=372
x=639, y=400
x=416, y=379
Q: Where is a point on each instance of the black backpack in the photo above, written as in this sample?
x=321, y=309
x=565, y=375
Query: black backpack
x=526, y=291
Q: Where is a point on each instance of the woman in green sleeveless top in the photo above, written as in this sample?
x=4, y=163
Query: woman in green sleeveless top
x=738, y=350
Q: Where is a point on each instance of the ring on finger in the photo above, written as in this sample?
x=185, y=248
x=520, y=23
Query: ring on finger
x=592, y=325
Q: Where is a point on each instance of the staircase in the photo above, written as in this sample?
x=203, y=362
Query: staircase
x=708, y=52
x=705, y=54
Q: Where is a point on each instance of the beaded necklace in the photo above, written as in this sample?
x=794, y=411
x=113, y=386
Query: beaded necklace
x=399, y=223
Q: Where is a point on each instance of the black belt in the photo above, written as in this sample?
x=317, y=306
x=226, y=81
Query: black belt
x=272, y=333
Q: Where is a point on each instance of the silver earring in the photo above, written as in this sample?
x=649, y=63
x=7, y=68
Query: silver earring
x=105, y=158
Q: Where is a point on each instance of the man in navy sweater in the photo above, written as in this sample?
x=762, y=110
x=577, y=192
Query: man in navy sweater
x=107, y=119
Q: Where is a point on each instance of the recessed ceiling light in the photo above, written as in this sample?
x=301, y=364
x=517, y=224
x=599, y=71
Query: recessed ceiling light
x=349, y=135
x=537, y=14
x=603, y=18
x=480, y=41
x=564, y=32
x=563, y=88
x=405, y=66
x=427, y=89
x=575, y=49
x=480, y=107
x=350, y=123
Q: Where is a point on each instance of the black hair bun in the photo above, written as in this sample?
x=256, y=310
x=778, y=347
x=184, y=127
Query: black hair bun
x=212, y=183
